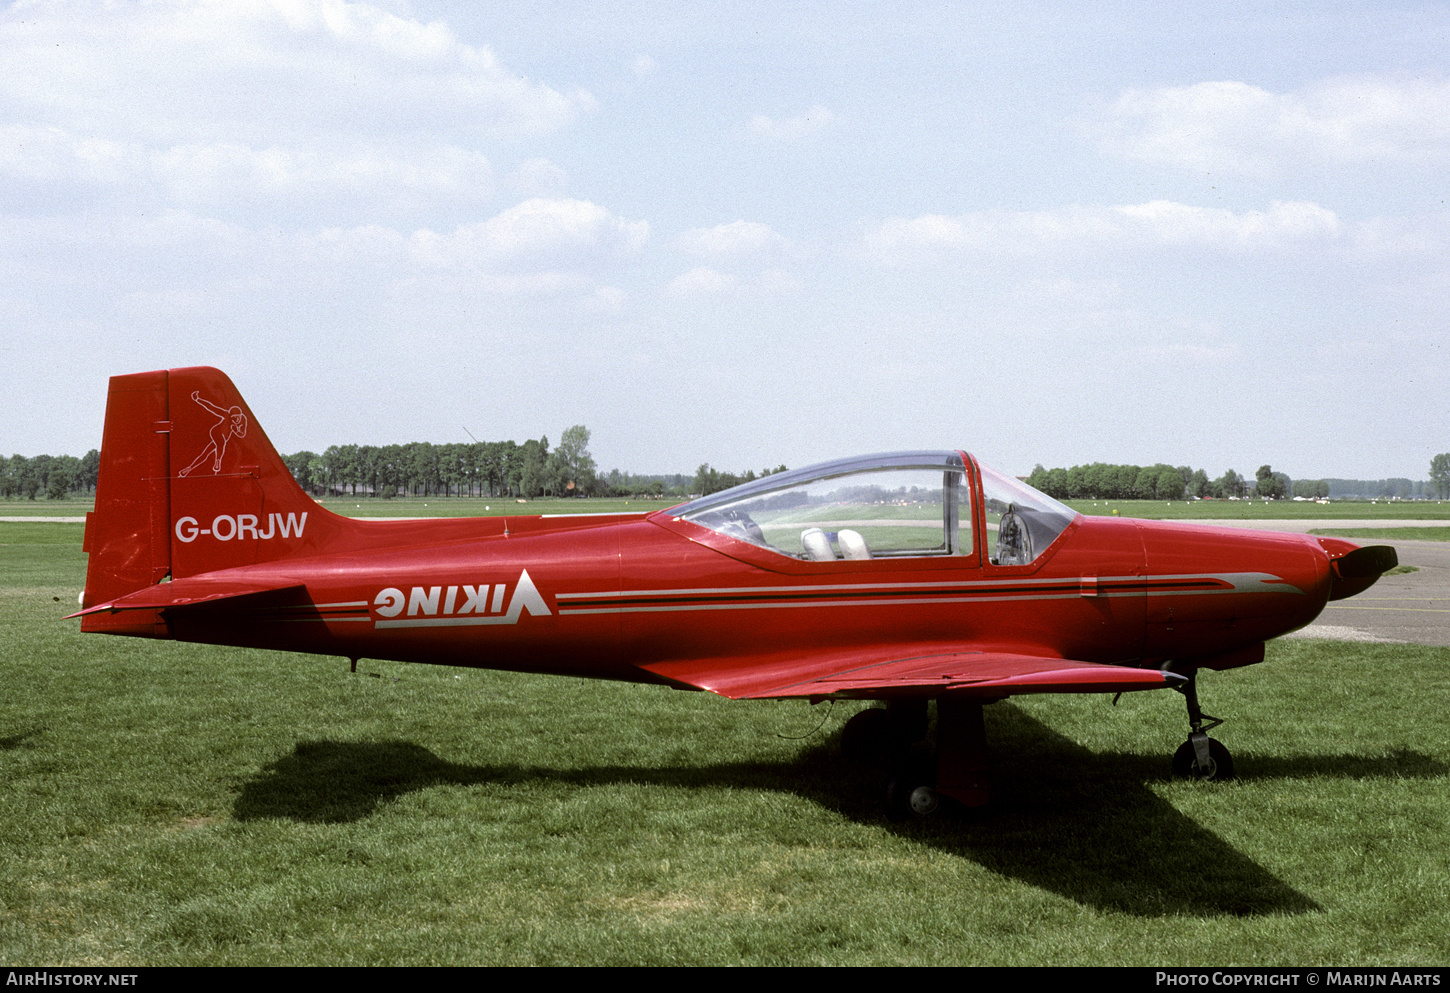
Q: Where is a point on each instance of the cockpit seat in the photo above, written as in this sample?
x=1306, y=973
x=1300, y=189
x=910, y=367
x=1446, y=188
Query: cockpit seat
x=853, y=546
x=817, y=545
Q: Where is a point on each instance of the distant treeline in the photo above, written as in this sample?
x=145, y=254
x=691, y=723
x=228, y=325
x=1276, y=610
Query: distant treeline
x=1382, y=489
x=51, y=476
x=479, y=469
x=420, y=468
x=1101, y=481
x=708, y=480
x=491, y=468
x=679, y=486
x=531, y=469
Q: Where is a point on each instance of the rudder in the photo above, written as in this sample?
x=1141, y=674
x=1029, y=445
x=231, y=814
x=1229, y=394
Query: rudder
x=126, y=535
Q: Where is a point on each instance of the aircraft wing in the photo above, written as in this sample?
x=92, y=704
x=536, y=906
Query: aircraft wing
x=907, y=670
x=188, y=592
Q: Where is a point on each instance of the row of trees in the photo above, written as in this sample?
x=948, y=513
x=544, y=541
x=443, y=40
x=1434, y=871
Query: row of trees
x=481, y=468
x=1102, y=481
x=491, y=468
x=495, y=468
x=54, y=475
x=708, y=480
x=506, y=468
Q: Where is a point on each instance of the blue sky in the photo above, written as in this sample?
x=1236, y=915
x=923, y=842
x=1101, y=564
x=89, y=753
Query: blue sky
x=747, y=234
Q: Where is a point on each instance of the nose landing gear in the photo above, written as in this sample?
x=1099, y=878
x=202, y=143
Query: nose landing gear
x=1201, y=757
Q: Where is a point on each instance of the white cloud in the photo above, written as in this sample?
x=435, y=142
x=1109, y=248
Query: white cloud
x=258, y=72
x=368, y=243
x=1427, y=235
x=1090, y=293
x=1160, y=222
x=735, y=238
x=811, y=123
x=538, y=178
x=539, y=233
x=606, y=299
x=208, y=173
x=643, y=66
x=538, y=247
x=545, y=225
x=534, y=234
x=780, y=281
x=411, y=292
x=1175, y=223
x=1238, y=127
x=315, y=106
x=702, y=281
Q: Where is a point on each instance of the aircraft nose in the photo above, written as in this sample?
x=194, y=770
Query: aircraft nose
x=1354, y=569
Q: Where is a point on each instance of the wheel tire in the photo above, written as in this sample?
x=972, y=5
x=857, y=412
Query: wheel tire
x=911, y=793
x=1220, y=763
x=868, y=736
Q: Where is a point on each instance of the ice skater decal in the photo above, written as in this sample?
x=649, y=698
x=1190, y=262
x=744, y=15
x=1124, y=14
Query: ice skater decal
x=231, y=423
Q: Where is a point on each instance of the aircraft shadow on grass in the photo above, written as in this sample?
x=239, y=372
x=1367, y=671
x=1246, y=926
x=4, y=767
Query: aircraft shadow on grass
x=1081, y=824
x=22, y=740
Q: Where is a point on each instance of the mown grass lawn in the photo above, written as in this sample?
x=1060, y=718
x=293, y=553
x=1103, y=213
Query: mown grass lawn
x=1266, y=510
x=177, y=804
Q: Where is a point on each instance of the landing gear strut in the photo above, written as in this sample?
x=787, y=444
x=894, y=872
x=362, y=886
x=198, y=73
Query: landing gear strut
x=1201, y=757
x=917, y=784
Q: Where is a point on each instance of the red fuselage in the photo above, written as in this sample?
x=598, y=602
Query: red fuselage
x=606, y=597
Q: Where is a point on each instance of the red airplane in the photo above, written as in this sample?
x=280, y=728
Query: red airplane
x=903, y=578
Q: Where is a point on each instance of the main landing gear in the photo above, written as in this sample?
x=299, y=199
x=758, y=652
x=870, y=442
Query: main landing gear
x=1201, y=757
x=917, y=784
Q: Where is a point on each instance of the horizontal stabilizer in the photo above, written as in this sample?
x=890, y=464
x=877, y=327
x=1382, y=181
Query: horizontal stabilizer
x=186, y=593
x=896, y=671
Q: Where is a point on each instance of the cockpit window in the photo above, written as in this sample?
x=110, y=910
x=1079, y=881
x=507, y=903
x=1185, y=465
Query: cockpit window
x=915, y=503
x=1021, y=522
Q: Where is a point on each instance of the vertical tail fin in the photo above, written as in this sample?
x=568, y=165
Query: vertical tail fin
x=188, y=484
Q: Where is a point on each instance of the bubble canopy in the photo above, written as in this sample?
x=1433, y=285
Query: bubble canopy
x=899, y=504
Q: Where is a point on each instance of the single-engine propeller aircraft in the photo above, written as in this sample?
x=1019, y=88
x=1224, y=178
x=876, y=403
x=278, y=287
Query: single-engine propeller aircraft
x=901, y=578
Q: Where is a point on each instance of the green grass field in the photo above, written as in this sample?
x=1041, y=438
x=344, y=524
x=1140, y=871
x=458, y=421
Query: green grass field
x=171, y=804
x=45, y=508
x=1263, y=510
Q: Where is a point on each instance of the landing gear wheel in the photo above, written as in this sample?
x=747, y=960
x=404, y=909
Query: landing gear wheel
x=868, y=736
x=1220, y=765
x=911, y=794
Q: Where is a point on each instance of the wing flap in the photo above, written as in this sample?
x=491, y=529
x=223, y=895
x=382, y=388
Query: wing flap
x=885, y=671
